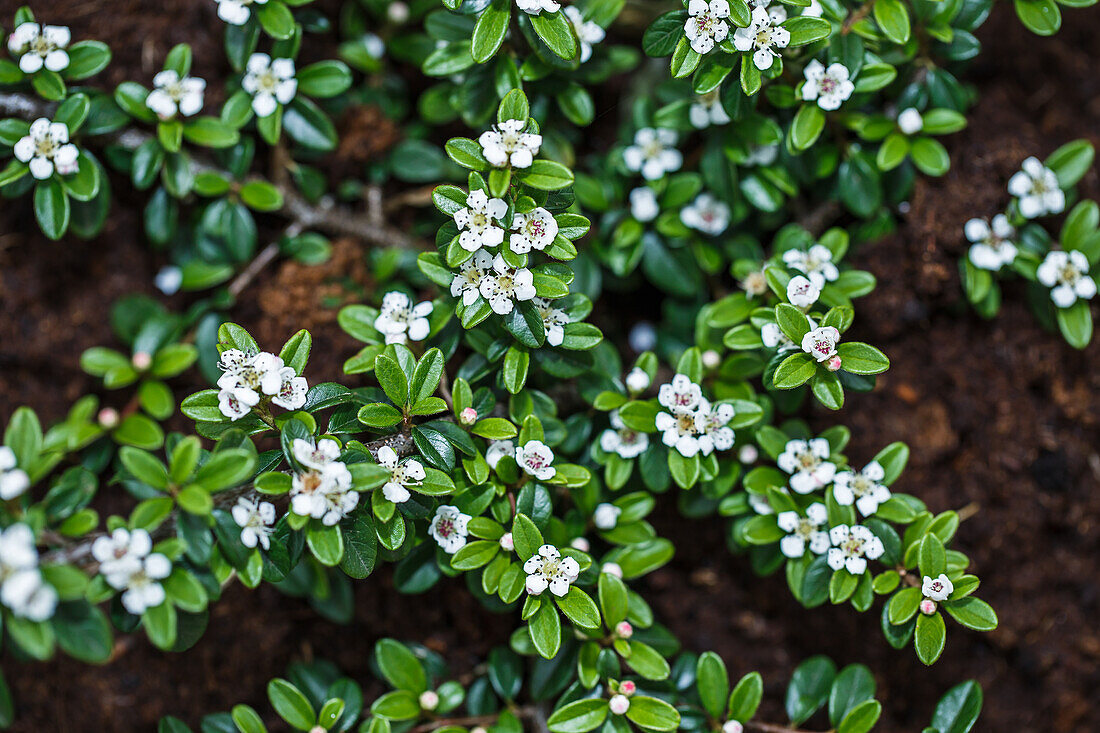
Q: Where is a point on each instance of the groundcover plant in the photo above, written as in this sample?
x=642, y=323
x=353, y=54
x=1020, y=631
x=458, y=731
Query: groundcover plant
x=495, y=424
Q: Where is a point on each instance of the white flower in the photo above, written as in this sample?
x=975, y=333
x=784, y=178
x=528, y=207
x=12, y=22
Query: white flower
x=173, y=95
x=548, y=569
x=803, y=532
x=507, y=144
x=246, y=378
x=316, y=456
x=733, y=726
x=910, y=121
x=830, y=86
x=801, y=292
x=121, y=551
x=13, y=481
x=22, y=588
x=606, y=516
x=588, y=32
x=169, y=279
x=754, y=284
x=448, y=528
x=622, y=440
x=773, y=337
x=534, y=230
x=760, y=504
x=712, y=423
x=813, y=10
x=707, y=24
x=643, y=204
x=270, y=82
x=777, y=13
x=1066, y=273
x=402, y=475
x=680, y=394
x=706, y=214
x=619, y=704
x=291, y=394
x=467, y=281
x=40, y=46
x=323, y=490
x=534, y=7
x=762, y=37
x=553, y=320
x=679, y=430
x=141, y=586
x=236, y=12
x=816, y=263
x=504, y=284
x=806, y=461
x=864, y=488
x=497, y=450
x=236, y=402
x=535, y=457
x=707, y=110
x=652, y=153
x=400, y=321
x=475, y=222
x=748, y=454
x=852, y=548
x=938, y=589
x=637, y=380
x=820, y=343
x=46, y=148
x=993, y=247
x=1036, y=187
x=255, y=518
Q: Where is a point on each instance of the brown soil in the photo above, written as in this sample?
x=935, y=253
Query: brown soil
x=1001, y=416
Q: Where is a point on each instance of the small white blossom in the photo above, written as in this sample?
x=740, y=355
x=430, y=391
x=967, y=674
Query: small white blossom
x=1036, y=187
x=553, y=320
x=643, y=204
x=588, y=32
x=256, y=520
x=606, y=516
x=40, y=46
x=622, y=440
x=402, y=475
x=748, y=454
x=813, y=10
x=475, y=222
x=169, y=279
x=535, y=7
x=806, y=461
x=863, y=488
x=503, y=285
x=507, y=542
x=467, y=281
x=707, y=110
x=762, y=37
x=760, y=504
x=1066, y=273
x=733, y=726
x=992, y=246
x=13, y=481
x=400, y=321
x=121, y=551
x=910, y=121
x=681, y=393
x=637, y=380
x=247, y=378
x=237, y=12
x=448, y=528
x=706, y=214
x=497, y=450
x=712, y=424
x=548, y=569
x=802, y=532
x=820, y=343
x=777, y=13
x=829, y=86
x=816, y=263
x=141, y=587
x=428, y=700
x=46, y=148
x=534, y=230
x=323, y=490
x=270, y=82
x=22, y=588
x=801, y=292
x=316, y=457
x=938, y=589
x=535, y=457
x=652, y=153
x=619, y=704
x=707, y=24
x=852, y=548
x=507, y=144
x=679, y=426
x=174, y=95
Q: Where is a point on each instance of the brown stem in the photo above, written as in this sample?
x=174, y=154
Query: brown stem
x=862, y=12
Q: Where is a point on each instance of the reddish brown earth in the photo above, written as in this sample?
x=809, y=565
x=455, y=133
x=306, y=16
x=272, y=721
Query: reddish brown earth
x=1000, y=415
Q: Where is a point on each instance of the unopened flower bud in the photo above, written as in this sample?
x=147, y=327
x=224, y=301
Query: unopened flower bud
x=637, y=380
x=624, y=630
x=711, y=359
x=398, y=12
x=910, y=121
x=506, y=542
x=732, y=726
x=748, y=454
x=478, y=729
x=108, y=417
x=580, y=543
x=928, y=607
x=141, y=360
x=619, y=704
x=612, y=568
x=468, y=416
x=628, y=688
x=833, y=364
x=317, y=729
x=429, y=700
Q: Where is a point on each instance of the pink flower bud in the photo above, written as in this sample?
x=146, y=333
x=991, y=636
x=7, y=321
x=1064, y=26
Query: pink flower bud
x=141, y=360
x=624, y=630
x=468, y=416
x=317, y=729
x=619, y=704
x=927, y=607
x=506, y=542
x=628, y=688
x=580, y=543
x=732, y=726
x=108, y=417
x=833, y=364
x=429, y=700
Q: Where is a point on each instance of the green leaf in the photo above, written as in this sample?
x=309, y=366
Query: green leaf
x=556, y=32
x=545, y=629
x=713, y=683
x=1041, y=17
x=860, y=358
x=809, y=688
x=1075, y=323
x=324, y=79
x=144, y=467
x=579, y=716
x=526, y=537
x=804, y=30
x=807, y=126
x=546, y=175
x=276, y=19
x=930, y=638
x=746, y=696
x=579, y=608
x=1071, y=161
x=490, y=30
x=973, y=613
x=794, y=371
x=652, y=714
x=392, y=379
x=893, y=18
x=51, y=208
x=958, y=709
x=400, y=666
x=291, y=705
x=862, y=718
x=852, y=687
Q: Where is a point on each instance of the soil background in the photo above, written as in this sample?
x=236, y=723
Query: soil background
x=1001, y=417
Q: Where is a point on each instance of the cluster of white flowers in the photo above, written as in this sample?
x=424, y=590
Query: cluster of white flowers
x=810, y=531
x=237, y=12
x=548, y=569
x=173, y=94
x=653, y=153
x=535, y=458
x=40, y=46
x=828, y=86
x=554, y=320
x=1066, y=274
x=707, y=24
x=13, y=480
x=270, y=81
x=807, y=463
x=402, y=475
x=706, y=214
x=589, y=32
x=22, y=588
x=1036, y=188
x=763, y=37
x=46, y=148
x=247, y=378
x=128, y=563
x=622, y=440
x=478, y=223
x=399, y=321
x=536, y=7
x=816, y=263
x=507, y=144
x=322, y=489
x=852, y=548
x=449, y=528
x=256, y=520
x=707, y=110
x=692, y=424
x=992, y=246
x=643, y=204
